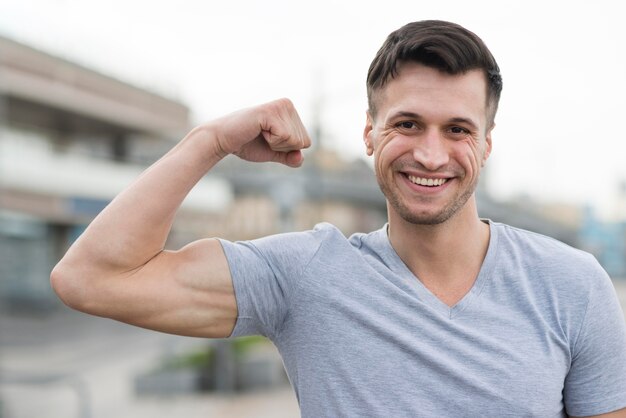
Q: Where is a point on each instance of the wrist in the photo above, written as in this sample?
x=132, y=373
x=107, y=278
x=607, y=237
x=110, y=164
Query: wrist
x=206, y=138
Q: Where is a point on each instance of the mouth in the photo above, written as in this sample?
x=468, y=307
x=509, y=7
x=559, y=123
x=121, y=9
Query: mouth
x=422, y=181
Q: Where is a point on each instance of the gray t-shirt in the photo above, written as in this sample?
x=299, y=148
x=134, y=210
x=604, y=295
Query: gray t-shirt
x=540, y=333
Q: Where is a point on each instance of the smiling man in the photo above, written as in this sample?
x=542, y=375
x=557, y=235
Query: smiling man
x=437, y=314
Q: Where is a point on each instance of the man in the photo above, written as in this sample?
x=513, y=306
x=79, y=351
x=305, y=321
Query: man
x=437, y=314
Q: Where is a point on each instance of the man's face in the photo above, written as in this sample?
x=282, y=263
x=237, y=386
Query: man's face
x=429, y=139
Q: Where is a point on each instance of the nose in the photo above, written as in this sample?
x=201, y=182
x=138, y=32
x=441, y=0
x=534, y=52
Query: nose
x=430, y=150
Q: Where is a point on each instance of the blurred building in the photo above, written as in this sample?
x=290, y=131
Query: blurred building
x=272, y=198
x=558, y=221
x=70, y=139
x=606, y=237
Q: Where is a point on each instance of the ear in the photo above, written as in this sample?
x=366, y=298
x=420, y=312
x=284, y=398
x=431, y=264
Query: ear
x=488, y=146
x=368, y=133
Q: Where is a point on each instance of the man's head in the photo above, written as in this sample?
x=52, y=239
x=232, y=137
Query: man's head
x=433, y=91
x=445, y=46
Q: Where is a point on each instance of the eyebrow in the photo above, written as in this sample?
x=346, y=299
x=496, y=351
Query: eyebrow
x=417, y=116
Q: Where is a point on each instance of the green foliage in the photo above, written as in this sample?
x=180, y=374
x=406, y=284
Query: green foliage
x=197, y=359
x=204, y=357
x=242, y=345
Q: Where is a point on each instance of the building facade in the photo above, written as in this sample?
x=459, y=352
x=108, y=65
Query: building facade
x=70, y=139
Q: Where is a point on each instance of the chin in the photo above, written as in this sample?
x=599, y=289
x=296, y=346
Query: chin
x=425, y=219
x=434, y=216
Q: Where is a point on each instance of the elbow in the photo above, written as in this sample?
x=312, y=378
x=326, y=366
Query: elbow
x=67, y=286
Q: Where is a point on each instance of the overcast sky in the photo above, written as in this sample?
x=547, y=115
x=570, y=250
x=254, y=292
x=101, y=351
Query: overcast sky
x=559, y=129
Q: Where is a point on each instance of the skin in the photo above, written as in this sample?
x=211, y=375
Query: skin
x=428, y=124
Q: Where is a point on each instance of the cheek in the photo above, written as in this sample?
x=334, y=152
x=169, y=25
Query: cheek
x=380, y=163
x=388, y=151
x=469, y=154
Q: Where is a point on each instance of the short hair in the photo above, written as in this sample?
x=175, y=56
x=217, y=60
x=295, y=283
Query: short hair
x=442, y=45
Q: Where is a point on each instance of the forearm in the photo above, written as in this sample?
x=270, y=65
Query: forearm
x=133, y=228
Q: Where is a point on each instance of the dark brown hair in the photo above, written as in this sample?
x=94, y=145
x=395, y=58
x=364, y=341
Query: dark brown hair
x=445, y=46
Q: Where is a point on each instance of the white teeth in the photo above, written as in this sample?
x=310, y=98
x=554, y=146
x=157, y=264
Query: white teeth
x=427, y=182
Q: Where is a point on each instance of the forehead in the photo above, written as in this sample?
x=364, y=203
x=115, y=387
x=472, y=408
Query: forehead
x=428, y=91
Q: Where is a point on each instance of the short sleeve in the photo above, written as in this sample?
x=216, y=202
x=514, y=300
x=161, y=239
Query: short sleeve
x=265, y=273
x=596, y=382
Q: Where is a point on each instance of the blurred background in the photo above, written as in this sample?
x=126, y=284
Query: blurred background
x=92, y=92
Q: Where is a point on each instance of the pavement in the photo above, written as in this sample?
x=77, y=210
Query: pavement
x=65, y=364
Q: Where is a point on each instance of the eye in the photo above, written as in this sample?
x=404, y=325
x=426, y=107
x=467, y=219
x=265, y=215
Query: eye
x=458, y=130
x=406, y=125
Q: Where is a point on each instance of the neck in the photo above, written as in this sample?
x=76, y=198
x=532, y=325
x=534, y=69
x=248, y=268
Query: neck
x=443, y=256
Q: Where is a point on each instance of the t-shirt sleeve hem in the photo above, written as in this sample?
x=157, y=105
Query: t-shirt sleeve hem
x=245, y=323
x=586, y=409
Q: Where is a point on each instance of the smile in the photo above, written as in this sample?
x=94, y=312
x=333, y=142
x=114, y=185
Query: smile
x=426, y=182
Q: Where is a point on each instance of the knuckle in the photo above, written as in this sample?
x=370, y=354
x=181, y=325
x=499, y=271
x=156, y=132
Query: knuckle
x=285, y=102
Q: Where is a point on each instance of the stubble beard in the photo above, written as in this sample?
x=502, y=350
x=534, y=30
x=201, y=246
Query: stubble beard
x=395, y=200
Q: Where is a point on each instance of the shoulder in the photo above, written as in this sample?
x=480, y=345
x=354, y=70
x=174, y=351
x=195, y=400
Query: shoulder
x=541, y=250
x=322, y=234
x=548, y=264
x=567, y=285
x=286, y=248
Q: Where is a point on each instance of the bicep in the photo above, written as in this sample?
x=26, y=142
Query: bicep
x=186, y=292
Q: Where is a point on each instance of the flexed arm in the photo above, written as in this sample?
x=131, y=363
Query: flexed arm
x=118, y=267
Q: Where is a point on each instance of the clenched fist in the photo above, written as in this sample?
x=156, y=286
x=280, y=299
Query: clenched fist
x=269, y=132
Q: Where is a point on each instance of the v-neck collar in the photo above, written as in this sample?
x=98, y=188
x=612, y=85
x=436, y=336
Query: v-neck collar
x=397, y=266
